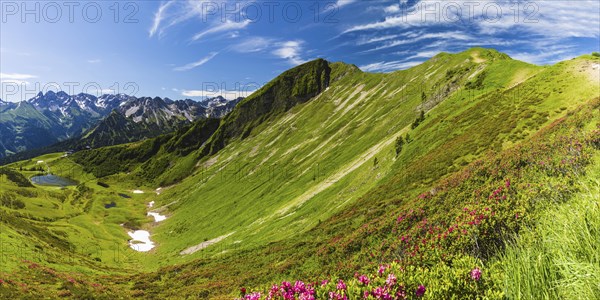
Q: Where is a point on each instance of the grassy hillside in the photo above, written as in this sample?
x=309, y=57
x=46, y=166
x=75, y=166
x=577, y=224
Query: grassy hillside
x=305, y=180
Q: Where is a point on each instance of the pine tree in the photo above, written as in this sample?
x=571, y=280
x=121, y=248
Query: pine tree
x=399, y=145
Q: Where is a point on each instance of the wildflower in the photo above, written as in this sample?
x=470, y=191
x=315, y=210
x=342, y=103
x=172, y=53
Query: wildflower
x=382, y=269
x=366, y=294
x=243, y=291
x=273, y=292
x=364, y=279
x=306, y=296
x=341, y=285
x=324, y=282
x=401, y=293
x=420, y=291
x=476, y=274
x=336, y=296
x=253, y=296
x=299, y=287
x=391, y=280
x=378, y=292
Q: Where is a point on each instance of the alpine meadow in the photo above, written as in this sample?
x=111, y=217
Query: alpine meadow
x=320, y=150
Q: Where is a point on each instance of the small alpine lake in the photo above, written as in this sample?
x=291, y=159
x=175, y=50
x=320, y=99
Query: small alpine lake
x=52, y=180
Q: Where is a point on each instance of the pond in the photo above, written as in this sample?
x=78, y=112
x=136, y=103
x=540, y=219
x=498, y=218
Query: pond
x=52, y=180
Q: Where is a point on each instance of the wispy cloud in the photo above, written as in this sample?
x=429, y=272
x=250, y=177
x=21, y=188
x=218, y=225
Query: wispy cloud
x=158, y=17
x=253, y=44
x=197, y=63
x=545, y=53
x=448, y=35
x=174, y=12
x=16, y=78
x=541, y=18
x=383, y=66
x=375, y=38
x=342, y=3
x=221, y=27
x=94, y=61
x=291, y=51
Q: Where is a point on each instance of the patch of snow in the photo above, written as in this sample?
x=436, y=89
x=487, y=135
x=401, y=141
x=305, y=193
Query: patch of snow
x=157, y=217
x=138, y=192
x=132, y=110
x=140, y=241
x=151, y=204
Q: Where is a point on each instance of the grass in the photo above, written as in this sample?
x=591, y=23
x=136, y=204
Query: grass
x=559, y=257
x=301, y=191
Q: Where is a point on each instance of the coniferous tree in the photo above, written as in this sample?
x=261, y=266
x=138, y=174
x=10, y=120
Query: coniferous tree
x=399, y=144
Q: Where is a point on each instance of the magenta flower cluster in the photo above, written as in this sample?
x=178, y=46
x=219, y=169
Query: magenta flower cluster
x=476, y=274
x=287, y=291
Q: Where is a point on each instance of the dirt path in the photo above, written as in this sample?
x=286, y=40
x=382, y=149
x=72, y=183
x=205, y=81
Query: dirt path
x=349, y=167
x=203, y=245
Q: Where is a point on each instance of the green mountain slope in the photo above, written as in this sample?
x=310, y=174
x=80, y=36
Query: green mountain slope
x=305, y=180
x=116, y=129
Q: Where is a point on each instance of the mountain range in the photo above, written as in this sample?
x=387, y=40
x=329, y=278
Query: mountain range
x=93, y=121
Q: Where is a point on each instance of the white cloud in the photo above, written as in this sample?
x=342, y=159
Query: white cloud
x=227, y=94
x=545, y=53
x=560, y=19
x=223, y=26
x=374, y=39
x=210, y=14
x=94, y=61
x=449, y=36
x=290, y=51
x=253, y=44
x=383, y=66
x=158, y=17
x=392, y=9
x=342, y=3
x=197, y=63
x=16, y=76
x=423, y=54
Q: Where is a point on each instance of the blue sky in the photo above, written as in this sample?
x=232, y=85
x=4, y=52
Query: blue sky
x=190, y=49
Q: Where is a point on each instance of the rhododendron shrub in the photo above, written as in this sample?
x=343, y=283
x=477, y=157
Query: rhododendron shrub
x=392, y=281
x=440, y=242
